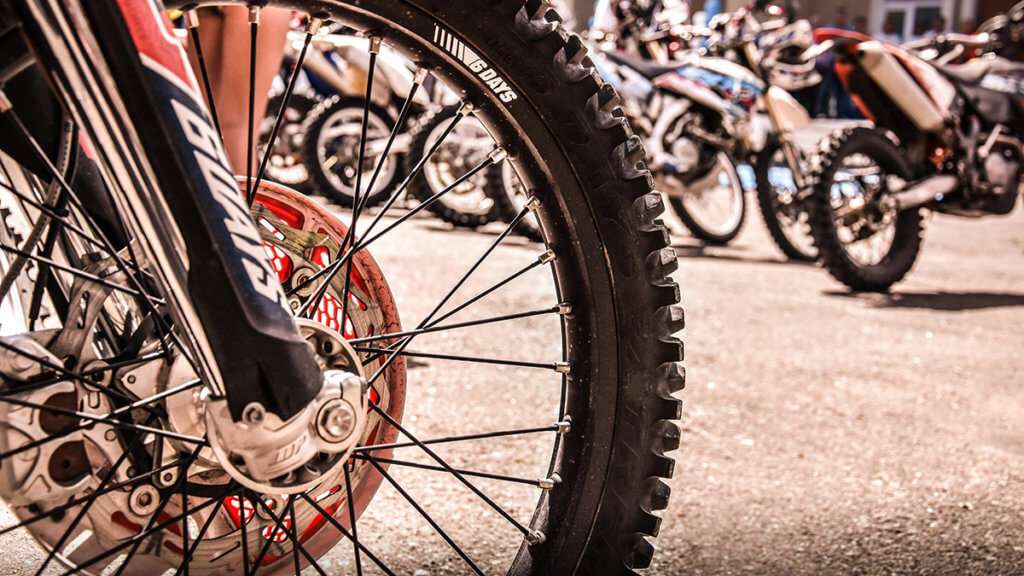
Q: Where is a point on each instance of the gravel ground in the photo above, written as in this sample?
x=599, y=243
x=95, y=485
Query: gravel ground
x=823, y=432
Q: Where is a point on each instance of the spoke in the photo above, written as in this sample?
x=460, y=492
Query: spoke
x=314, y=301
x=70, y=195
x=75, y=272
x=421, y=466
x=140, y=537
x=184, y=520
x=269, y=541
x=426, y=322
x=254, y=30
x=337, y=526
x=244, y=531
x=331, y=270
x=437, y=528
x=295, y=541
x=467, y=324
x=292, y=534
x=192, y=23
x=350, y=504
x=383, y=414
x=182, y=480
x=90, y=500
x=104, y=420
x=378, y=352
x=358, y=199
x=110, y=415
x=312, y=26
x=462, y=438
x=76, y=501
x=190, y=551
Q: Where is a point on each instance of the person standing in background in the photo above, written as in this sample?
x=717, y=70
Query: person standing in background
x=224, y=32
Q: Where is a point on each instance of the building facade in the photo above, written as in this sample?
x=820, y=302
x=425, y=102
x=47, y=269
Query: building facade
x=907, y=19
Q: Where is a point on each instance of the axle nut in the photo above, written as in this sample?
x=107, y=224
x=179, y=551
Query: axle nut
x=336, y=420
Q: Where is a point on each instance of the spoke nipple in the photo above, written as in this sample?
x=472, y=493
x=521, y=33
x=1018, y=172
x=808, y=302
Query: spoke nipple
x=546, y=257
x=5, y=104
x=313, y=25
x=562, y=367
x=421, y=75
x=375, y=44
x=533, y=203
x=191, y=19
x=565, y=308
x=535, y=537
x=497, y=156
x=549, y=482
x=254, y=14
x=565, y=425
x=466, y=109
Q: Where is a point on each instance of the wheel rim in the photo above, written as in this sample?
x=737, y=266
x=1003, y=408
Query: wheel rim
x=865, y=226
x=337, y=146
x=715, y=200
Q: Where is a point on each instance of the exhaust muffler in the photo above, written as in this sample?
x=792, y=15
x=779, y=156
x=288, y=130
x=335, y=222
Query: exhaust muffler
x=925, y=192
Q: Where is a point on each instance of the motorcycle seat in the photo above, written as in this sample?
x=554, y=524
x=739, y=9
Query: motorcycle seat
x=645, y=68
x=974, y=70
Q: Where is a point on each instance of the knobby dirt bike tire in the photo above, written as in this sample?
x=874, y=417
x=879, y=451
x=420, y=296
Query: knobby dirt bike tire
x=880, y=146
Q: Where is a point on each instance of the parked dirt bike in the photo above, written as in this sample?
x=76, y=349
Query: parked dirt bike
x=203, y=372
x=947, y=138
x=693, y=114
x=781, y=53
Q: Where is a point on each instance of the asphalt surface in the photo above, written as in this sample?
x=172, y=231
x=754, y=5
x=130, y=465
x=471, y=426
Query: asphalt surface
x=823, y=432
x=826, y=432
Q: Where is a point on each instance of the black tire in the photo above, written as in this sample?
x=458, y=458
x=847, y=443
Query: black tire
x=701, y=230
x=881, y=148
x=300, y=106
x=767, y=199
x=447, y=207
x=509, y=195
x=325, y=183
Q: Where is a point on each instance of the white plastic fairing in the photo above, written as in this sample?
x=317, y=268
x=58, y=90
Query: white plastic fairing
x=900, y=86
x=788, y=112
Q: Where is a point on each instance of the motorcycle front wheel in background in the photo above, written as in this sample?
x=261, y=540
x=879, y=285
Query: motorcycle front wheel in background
x=331, y=140
x=783, y=212
x=712, y=204
x=864, y=242
x=466, y=205
x=520, y=401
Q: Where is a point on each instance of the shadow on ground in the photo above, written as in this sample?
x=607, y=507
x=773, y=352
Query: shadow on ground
x=941, y=301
